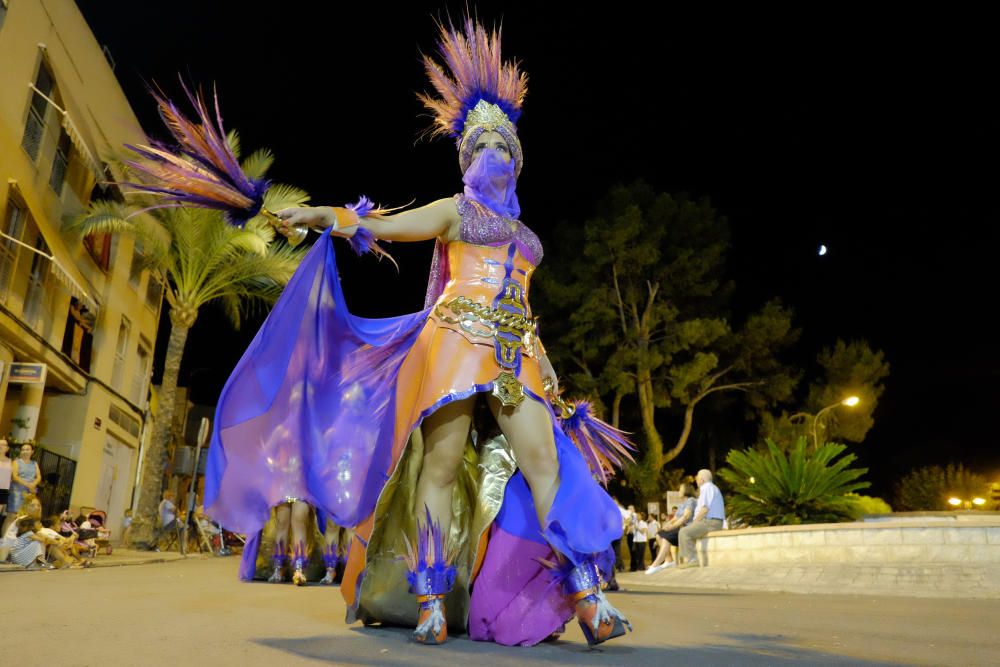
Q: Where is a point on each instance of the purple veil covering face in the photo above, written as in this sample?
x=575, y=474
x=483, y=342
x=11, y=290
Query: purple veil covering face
x=490, y=181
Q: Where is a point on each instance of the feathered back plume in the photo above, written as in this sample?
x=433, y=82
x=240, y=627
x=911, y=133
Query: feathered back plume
x=202, y=169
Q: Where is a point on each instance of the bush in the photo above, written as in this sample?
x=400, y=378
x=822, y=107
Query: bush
x=774, y=489
x=868, y=505
x=928, y=489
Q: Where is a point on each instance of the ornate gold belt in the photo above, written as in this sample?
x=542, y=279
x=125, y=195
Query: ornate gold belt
x=483, y=321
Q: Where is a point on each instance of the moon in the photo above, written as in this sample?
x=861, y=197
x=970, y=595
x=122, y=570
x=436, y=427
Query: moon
x=822, y=250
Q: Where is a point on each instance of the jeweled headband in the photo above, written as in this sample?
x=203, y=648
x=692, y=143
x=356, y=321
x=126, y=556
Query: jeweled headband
x=477, y=91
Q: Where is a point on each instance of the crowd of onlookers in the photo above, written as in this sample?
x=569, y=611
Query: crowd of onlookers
x=700, y=511
x=34, y=541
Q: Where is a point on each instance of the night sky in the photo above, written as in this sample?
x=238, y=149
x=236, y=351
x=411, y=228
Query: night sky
x=875, y=135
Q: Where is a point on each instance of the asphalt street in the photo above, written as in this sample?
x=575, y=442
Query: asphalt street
x=195, y=612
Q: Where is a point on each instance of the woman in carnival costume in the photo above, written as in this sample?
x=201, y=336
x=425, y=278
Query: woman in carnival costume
x=293, y=532
x=504, y=533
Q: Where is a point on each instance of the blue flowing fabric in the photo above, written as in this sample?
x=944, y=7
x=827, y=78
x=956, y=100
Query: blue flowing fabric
x=324, y=441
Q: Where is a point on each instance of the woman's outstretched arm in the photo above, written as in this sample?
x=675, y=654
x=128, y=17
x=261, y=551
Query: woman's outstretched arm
x=439, y=219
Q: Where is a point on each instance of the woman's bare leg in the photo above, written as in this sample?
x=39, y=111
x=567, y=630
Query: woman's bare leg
x=445, y=432
x=300, y=522
x=282, y=519
x=528, y=429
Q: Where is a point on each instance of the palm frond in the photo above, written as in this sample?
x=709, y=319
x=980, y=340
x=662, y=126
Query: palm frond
x=280, y=196
x=257, y=165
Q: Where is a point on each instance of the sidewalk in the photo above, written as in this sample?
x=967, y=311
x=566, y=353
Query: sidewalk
x=930, y=580
x=122, y=557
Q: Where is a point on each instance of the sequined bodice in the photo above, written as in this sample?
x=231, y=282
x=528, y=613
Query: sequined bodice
x=481, y=226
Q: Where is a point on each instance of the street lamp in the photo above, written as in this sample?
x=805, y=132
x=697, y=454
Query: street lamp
x=956, y=502
x=850, y=402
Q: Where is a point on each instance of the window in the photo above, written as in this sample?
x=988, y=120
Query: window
x=128, y=423
x=154, y=293
x=118, y=374
x=78, y=339
x=13, y=225
x=34, y=299
x=34, y=128
x=99, y=247
x=135, y=271
x=60, y=164
x=141, y=371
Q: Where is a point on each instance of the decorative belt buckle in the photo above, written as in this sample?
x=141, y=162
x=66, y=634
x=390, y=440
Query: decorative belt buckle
x=508, y=389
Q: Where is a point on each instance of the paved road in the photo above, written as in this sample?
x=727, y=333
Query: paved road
x=195, y=612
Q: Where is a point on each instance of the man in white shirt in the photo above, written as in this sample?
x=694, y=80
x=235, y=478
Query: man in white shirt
x=709, y=513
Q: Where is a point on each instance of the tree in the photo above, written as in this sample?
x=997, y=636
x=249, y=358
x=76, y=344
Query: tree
x=930, y=487
x=639, y=305
x=848, y=369
x=768, y=488
x=201, y=259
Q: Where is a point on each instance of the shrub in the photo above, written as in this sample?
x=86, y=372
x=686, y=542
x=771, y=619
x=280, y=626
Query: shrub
x=772, y=489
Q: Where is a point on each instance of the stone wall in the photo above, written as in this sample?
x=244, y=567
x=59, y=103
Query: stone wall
x=910, y=540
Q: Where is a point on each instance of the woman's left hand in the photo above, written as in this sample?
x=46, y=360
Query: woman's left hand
x=549, y=375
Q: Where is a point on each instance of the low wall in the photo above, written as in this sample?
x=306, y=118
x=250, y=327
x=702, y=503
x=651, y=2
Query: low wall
x=911, y=539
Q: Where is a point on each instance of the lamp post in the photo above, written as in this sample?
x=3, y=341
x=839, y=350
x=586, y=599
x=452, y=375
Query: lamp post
x=850, y=402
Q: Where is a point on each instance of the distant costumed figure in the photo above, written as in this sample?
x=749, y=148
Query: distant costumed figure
x=435, y=436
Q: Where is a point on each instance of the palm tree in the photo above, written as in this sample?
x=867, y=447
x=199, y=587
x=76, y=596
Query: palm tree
x=200, y=258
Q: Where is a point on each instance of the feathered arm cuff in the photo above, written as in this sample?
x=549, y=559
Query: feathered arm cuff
x=348, y=225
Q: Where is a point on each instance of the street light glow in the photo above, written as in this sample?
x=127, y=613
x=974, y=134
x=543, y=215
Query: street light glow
x=978, y=501
x=851, y=401
x=954, y=501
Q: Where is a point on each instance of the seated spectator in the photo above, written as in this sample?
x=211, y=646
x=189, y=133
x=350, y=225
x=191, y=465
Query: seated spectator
x=168, y=519
x=68, y=545
x=709, y=515
x=28, y=549
x=668, y=534
x=30, y=508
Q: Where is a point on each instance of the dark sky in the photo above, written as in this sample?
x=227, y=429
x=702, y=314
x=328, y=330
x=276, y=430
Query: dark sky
x=876, y=135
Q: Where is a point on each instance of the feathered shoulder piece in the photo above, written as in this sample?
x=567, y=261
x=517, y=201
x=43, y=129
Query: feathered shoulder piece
x=476, y=90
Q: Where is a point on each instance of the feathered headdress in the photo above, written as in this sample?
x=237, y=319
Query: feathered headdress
x=478, y=92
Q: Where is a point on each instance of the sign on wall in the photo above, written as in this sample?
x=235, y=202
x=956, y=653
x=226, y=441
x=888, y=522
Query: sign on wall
x=25, y=373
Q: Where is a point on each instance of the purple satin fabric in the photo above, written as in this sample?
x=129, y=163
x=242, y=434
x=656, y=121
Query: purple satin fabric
x=286, y=427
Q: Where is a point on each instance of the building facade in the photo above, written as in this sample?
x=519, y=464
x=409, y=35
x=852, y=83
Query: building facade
x=78, y=319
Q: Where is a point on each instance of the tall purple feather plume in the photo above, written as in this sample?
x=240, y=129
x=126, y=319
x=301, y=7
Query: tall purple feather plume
x=603, y=446
x=473, y=70
x=201, y=170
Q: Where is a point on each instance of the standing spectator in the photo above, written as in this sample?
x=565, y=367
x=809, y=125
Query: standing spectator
x=671, y=529
x=25, y=477
x=616, y=545
x=628, y=527
x=5, y=472
x=710, y=512
x=639, y=542
x=652, y=528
